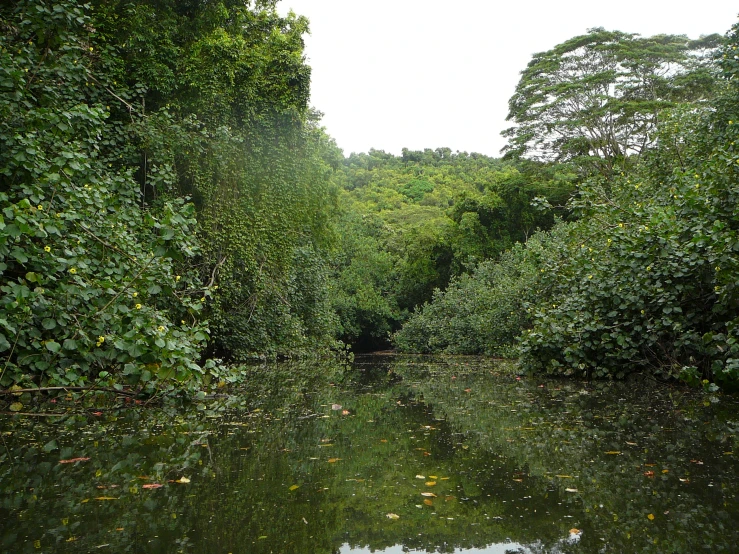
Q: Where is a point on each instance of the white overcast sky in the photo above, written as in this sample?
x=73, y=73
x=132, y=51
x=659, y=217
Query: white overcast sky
x=390, y=74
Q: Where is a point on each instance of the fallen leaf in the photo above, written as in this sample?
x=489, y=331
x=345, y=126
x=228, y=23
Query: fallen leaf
x=152, y=486
x=564, y=476
x=294, y=487
x=685, y=480
x=106, y=498
x=73, y=460
x=336, y=407
x=431, y=494
x=428, y=502
x=651, y=465
x=383, y=440
x=183, y=480
x=420, y=477
x=571, y=490
x=433, y=477
x=430, y=483
x=631, y=443
x=613, y=452
x=333, y=460
x=696, y=462
x=445, y=478
x=392, y=516
x=449, y=498
x=575, y=531
x=665, y=471
x=344, y=412
x=427, y=453
x=518, y=480
x=649, y=473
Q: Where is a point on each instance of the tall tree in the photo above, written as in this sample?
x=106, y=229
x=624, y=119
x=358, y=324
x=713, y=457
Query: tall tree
x=597, y=98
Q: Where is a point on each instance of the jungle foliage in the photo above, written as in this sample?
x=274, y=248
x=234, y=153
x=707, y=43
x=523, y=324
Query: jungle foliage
x=164, y=188
x=644, y=275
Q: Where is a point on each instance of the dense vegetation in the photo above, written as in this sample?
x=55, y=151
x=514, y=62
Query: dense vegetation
x=170, y=202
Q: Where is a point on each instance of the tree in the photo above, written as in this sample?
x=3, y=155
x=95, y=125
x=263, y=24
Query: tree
x=597, y=98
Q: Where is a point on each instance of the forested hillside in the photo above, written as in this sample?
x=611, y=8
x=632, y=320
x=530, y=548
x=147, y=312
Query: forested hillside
x=172, y=207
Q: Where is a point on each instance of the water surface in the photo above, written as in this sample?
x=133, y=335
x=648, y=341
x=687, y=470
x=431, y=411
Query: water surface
x=387, y=455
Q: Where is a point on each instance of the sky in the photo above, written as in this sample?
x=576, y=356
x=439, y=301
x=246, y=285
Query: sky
x=389, y=74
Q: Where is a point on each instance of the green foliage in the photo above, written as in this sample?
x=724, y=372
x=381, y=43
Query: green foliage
x=426, y=217
x=482, y=312
x=648, y=277
x=597, y=98
x=93, y=283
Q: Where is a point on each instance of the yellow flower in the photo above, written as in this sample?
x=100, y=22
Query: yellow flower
x=182, y=321
x=138, y=306
x=650, y=517
x=642, y=312
x=160, y=328
x=73, y=271
x=101, y=338
x=202, y=299
x=590, y=276
x=135, y=294
x=40, y=207
x=177, y=278
x=47, y=248
x=649, y=268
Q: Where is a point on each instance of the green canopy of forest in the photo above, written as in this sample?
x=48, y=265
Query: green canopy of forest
x=171, y=207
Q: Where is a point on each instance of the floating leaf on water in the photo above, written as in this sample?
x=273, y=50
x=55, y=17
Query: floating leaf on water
x=73, y=460
x=294, y=487
x=431, y=494
x=152, y=486
x=392, y=516
x=430, y=483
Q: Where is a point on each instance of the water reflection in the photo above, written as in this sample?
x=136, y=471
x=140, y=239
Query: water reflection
x=390, y=455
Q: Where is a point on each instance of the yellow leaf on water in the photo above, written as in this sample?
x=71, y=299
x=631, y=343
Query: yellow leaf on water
x=392, y=516
x=431, y=494
x=430, y=483
x=294, y=487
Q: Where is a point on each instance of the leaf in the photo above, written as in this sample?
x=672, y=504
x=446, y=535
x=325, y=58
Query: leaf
x=294, y=487
x=336, y=407
x=73, y=460
x=564, y=476
x=575, y=531
x=431, y=494
x=183, y=480
x=333, y=460
x=614, y=453
x=392, y=516
x=433, y=477
x=16, y=407
x=428, y=502
x=571, y=490
x=430, y=483
x=420, y=477
x=106, y=498
x=650, y=517
x=152, y=486
x=53, y=346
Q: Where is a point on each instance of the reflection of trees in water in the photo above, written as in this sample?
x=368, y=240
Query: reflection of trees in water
x=501, y=444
